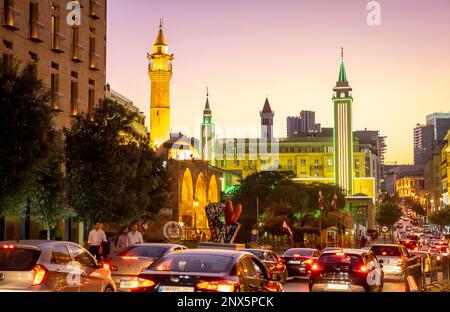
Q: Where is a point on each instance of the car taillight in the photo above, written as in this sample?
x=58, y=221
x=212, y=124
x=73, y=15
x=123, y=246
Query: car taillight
x=279, y=266
x=362, y=269
x=316, y=267
x=384, y=253
x=129, y=258
x=400, y=262
x=8, y=246
x=438, y=258
x=106, y=266
x=141, y=283
x=216, y=286
x=309, y=261
x=40, y=273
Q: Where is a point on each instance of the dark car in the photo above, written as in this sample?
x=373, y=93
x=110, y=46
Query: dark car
x=346, y=270
x=300, y=260
x=410, y=244
x=275, y=267
x=132, y=260
x=206, y=270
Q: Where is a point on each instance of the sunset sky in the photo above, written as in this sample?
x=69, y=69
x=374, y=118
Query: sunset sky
x=289, y=50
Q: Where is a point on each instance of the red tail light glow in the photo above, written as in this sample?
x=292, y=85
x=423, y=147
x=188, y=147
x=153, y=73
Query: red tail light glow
x=384, y=253
x=340, y=254
x=400, y=262
x=309, y=261
x=8, y=247
x=130, y=258
x=362, y=269
x=106, y=266
x=40, y=273
x=279, y=266
x=296, y=255
x=217, y=286
x=316, y=267
x=141, y=283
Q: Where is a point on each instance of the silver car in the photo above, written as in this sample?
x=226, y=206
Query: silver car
x=134, y=259
x=395, y=259
x=52, y=266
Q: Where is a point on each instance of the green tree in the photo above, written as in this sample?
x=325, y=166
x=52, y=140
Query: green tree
x=389, y=213
x=113, y=173
x=25, y=121
x=47, y=197
x=441, y=217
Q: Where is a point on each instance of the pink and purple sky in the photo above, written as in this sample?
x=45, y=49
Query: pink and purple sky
x=289, y=49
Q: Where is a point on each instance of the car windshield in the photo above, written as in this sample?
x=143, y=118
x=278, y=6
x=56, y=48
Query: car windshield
x=390, y=251
x=207, y=263
x=419, y=254
x=299, y=252
x=338, y=258
x=18, y=259
x=258, y=253
x=144, y=251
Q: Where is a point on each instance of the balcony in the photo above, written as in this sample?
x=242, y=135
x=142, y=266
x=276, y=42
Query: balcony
x=316, y=167
x=76, y=52
x=10, y=18
x=94, y=10
x=57, y=42
x=75, y=109
x=94, y=61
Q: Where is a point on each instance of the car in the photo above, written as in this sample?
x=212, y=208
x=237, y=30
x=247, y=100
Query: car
x=346, y=270
x=275, y=266
x=331, y=249
x=410, y=244
x=426, y=260
x=51, y=266
x=365, y=248
x=399, y=225
x=443, y=247
x=395, y=258
x=132, y=260
x=206, y=270
x=300, y=260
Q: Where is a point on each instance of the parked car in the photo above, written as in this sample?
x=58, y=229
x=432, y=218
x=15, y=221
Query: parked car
x=275, y=266
x=300, y=260
x=51, y=266
x=346, y=270
x=131, y=261
x=206, y=270
x=394, y=258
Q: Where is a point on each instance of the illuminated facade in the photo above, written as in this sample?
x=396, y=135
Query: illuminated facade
x=410, y=186
x=160, y=73
x=445, y=170
x=343, y=134
x=208, y=135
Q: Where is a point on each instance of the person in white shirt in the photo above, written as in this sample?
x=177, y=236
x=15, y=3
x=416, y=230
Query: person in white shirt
x=123, y=241
x=135, y=236
x=96, y=237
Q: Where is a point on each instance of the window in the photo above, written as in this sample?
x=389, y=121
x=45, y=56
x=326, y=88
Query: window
x=91, y=101
x=303, y=162
x=55, y=91
x=94, y=9
x=55, y=66
x=259, y=269
x=33, y=56
x=60, y=255
x=93, y=56
x=35, y=26
x=289, y=164
x=82, y=256
x=248, y=268
x=76, y=53
x=74, y=74
x=9, y=15
x=74, y=98
x=56, y=30
x=330, y=162
x=8, y=44
x=357, y=164
x=223, y=163
x=236, y=163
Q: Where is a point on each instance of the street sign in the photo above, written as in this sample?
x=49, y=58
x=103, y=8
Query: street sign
x=385, y=229
x=173, y=231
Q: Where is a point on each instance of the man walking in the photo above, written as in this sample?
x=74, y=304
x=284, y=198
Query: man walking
x=123, y=241
x=135, y=236
x=96, y=237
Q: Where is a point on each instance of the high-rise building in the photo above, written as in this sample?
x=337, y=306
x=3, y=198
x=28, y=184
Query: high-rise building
x=160, y=72
x=208, y=136
x=69, y=59
x=267, y=121
x=302, y=125
x=440, y=122
x=343, y=134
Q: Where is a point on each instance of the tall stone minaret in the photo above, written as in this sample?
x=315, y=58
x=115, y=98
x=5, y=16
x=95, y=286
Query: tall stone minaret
x=343, y=133
x=267, y=121
x=160, y=72
x=208, y=136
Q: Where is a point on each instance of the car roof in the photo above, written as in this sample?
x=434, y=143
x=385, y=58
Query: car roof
x=220, y=252
x=35, y=243
x=387, y=245
x=347, y=251
x=157, y=245
x=256, y=249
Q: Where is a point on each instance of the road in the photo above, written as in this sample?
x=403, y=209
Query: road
x=301, y=285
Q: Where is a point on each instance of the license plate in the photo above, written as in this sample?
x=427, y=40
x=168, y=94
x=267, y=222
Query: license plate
x=175, y=289
x=294, y=262
x=302, y=270
x=385, y=261
x=337, y=286
x=125, y=284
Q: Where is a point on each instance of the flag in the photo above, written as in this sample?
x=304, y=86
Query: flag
x=334, y=203
x=286, y=229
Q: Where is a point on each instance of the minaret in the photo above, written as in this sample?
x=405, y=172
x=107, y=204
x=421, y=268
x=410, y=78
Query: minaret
x=343, y=133
x=267, y=121
x=160, y=72
x=208, y=134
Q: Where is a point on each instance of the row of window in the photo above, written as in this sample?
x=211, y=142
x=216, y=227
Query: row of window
x=36, y=30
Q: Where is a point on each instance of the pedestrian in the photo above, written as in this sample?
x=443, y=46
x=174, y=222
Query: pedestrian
x=96, y=238
x=123, y=241
x=135, y=236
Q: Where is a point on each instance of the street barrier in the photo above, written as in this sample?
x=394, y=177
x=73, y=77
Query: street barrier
x=413, y=277
x=439, y=279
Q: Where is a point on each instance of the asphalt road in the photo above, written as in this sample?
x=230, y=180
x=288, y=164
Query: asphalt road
x=301, y=285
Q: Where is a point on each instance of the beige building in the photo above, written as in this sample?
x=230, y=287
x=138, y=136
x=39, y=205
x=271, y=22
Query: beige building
x=139, y=119
x=70, y=60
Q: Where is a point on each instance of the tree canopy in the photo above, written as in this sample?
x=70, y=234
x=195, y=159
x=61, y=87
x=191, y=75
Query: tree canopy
x=25, y=122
